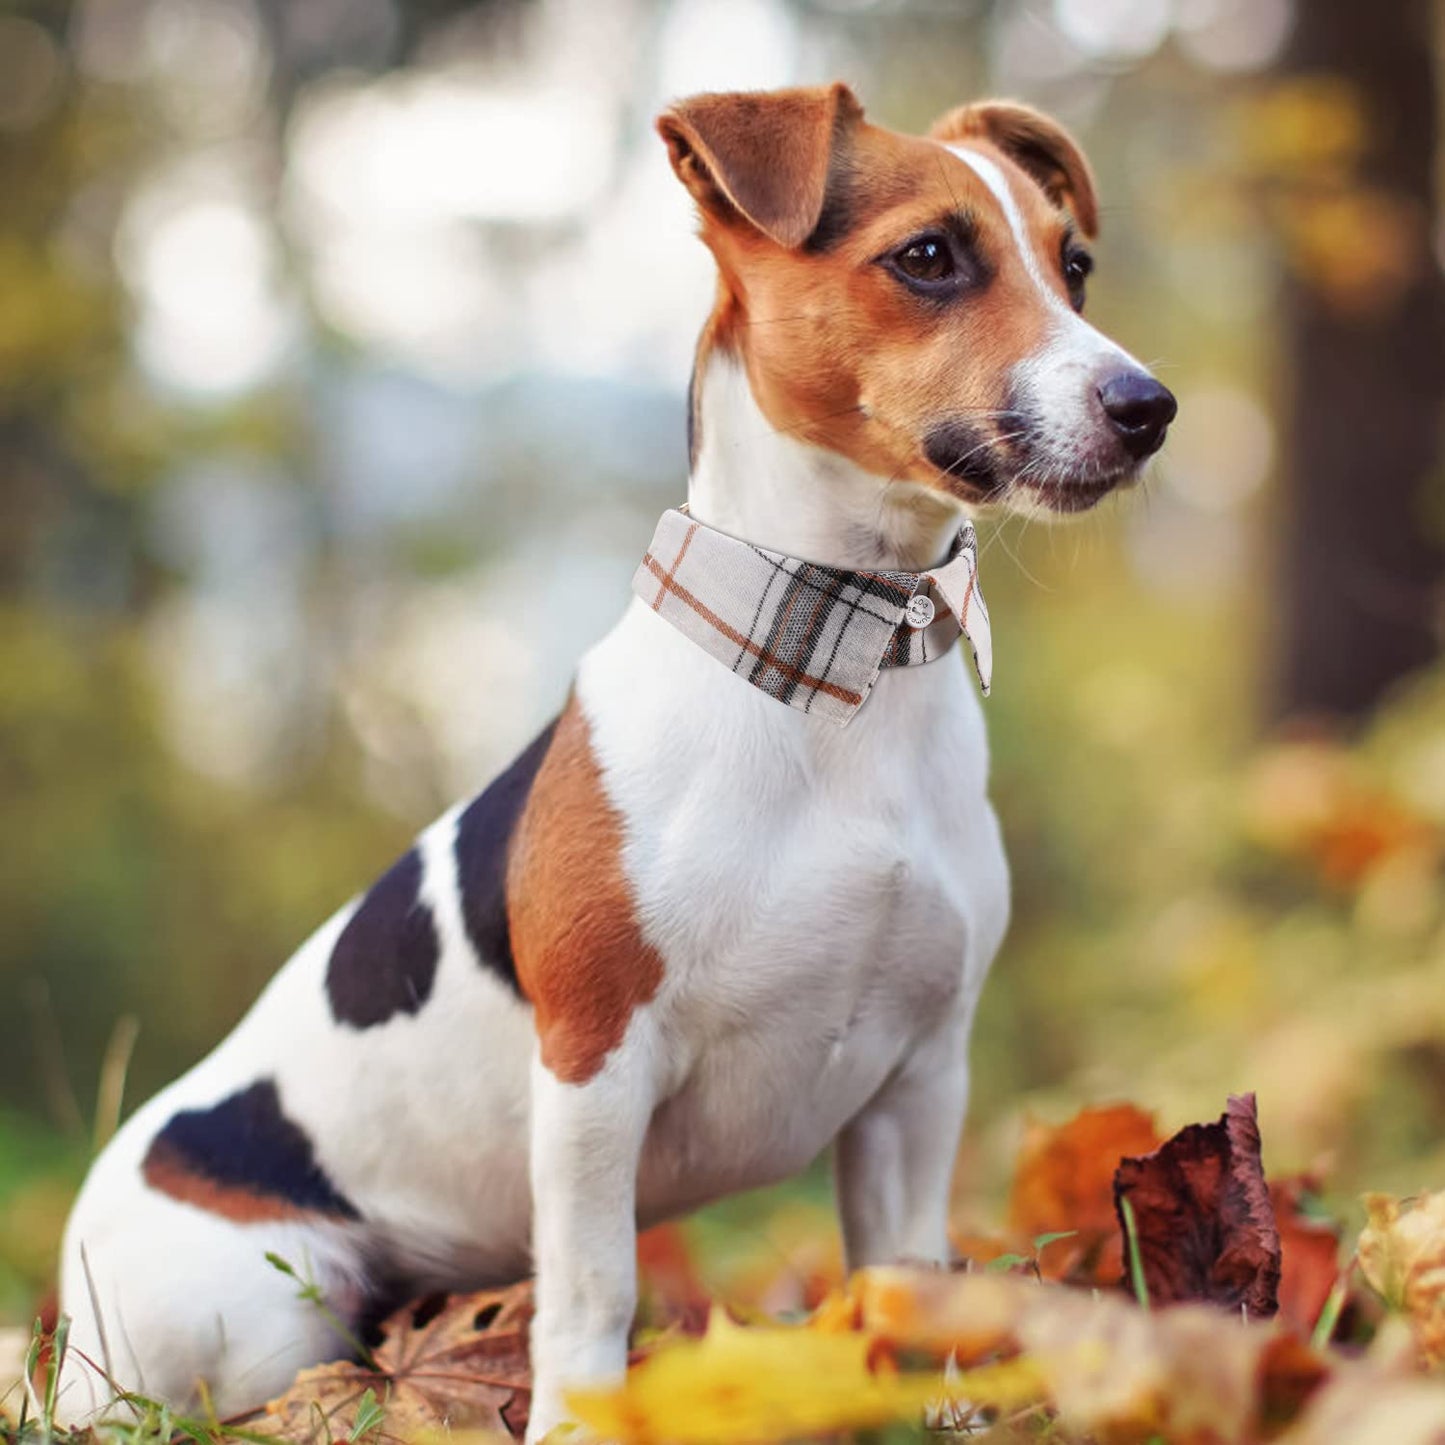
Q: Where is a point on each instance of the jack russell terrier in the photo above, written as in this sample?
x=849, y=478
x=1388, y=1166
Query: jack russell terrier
x=700, y=929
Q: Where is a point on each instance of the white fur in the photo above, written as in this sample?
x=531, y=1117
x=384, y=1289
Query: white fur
x=991, y=174
x=826, y=903
x=1062, y=377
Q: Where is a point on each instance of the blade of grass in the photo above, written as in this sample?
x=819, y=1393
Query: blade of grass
x=1324, y=1329
x=58, y=1342
x=95, y=1310
x=110, y=1092
x=310, y=1291
x=1136, y=1260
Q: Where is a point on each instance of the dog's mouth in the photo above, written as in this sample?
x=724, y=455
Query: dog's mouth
x=1002, y=469
x=1070, y=494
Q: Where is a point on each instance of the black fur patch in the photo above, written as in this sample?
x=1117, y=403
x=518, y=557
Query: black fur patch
x=484, y=832
x=965, y=452
x=841, y=211
x=243, y=1159
x=835, y=220
x=385, y=961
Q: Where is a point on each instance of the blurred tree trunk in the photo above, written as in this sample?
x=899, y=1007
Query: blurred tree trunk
x=1363, y=557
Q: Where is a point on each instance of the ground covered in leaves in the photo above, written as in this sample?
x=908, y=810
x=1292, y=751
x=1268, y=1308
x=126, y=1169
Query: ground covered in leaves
x=1142, y=1290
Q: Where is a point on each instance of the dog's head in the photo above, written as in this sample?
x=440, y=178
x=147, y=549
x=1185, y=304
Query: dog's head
x=916, y=303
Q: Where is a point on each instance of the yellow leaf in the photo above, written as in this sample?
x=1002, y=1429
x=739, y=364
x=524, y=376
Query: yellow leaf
x=837, y=1313
x=777, y=1383
x=1402, y=1254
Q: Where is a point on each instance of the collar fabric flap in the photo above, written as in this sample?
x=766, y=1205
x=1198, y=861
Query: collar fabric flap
x=956, y=582
x=811, y=636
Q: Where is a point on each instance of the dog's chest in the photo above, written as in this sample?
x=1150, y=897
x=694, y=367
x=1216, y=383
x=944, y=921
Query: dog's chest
x=821, y=897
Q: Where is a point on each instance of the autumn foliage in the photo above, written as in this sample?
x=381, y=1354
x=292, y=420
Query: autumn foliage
x=1144, y=1290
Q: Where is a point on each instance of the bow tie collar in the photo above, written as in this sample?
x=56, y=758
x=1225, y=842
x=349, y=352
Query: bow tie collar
x=813, y=637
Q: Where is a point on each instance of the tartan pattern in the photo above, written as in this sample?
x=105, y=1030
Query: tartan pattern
x=813, y=637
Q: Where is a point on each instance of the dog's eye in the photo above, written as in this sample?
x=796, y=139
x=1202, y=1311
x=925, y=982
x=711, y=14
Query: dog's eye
x=927, y=259
x=1078, y=265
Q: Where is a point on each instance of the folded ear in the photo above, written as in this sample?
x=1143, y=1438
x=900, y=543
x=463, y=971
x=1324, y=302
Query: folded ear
x=760, y=155
x=1039, y=145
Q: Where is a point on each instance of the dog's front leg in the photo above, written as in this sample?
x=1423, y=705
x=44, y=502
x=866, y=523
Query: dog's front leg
x=586, y=1141
x=895, y=1159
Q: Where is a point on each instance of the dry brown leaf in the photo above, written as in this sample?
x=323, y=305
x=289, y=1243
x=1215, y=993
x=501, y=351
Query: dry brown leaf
x=1206, y=1229
x=1065, y=1181
x=1402, y=1254
x=448, y=1363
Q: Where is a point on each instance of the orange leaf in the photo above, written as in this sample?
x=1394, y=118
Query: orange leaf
x=671, y=1289
x=1309, y=1254
x=967, y=1315
x=1065, y=1181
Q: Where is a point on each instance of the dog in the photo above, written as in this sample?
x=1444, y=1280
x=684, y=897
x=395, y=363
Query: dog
x=715, y=918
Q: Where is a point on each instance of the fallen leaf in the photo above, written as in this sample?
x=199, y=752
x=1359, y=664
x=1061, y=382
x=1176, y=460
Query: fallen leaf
x=444, y=1364
x=1309, y=1253
x=966, y=1315
x=668, y=1281
x=1192, y=1374
x=1117, y=1371
x=1065, y=1181
x=1205, y=1227
x=1360, y=1406
x=1291, y=1371
x=1402, y=1254
x=776, y=1382
x=979, y=1249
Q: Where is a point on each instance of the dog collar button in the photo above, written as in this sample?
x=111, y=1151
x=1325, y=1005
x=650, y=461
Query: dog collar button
x=920, y=611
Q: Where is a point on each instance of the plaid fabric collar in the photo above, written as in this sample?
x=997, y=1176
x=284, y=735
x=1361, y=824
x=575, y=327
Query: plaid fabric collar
x=813, y=637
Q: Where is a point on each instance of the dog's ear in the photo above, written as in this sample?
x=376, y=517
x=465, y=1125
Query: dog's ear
x=1037, y=144
x=763, y=156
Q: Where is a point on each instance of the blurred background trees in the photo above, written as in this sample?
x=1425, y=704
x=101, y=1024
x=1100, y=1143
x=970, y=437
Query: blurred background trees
x=327, y=327
x=1364, y=308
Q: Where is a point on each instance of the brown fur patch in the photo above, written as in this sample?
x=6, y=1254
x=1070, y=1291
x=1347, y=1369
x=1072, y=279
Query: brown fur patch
x=166, y=1170
x=581, y=958
x=765, y=156
x=838, y=353
x=1036, y=143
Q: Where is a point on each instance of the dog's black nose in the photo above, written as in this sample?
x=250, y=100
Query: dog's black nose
x=1140, y=410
